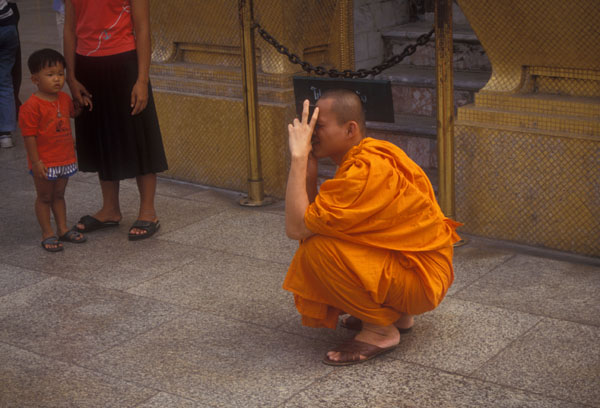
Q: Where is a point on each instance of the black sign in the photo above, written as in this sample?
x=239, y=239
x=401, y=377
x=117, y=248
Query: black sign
x=376, y=95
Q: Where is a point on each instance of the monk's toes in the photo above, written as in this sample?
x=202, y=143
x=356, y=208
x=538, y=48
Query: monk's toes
x=333, y=355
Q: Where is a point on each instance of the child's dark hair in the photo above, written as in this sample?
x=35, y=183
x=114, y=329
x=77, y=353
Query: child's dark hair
x=43, y=58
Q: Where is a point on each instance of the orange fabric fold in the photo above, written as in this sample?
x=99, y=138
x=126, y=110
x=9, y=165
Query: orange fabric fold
x=382, y=246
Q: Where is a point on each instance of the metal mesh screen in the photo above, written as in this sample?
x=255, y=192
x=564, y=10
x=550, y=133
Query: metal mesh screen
x=528, y=150
x=196, y=75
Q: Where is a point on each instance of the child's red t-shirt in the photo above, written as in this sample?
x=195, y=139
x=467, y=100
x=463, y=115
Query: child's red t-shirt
x=103, y=27
x=49, y=123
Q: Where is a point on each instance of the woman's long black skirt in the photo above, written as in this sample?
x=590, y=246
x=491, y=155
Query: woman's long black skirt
x=109, y=139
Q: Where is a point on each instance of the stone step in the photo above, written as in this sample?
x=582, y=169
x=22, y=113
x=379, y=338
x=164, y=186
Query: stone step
x=217, y=88
x=468, y=52
x=413, y=88
x=218, y=73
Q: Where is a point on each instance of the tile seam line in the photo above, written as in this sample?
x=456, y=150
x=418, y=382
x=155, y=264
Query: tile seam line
x=26, y=286
x=227, y=252
x=510, y=258
x=471, y=374
x=122, y=291
x=503, y=386
x=526, y=312
x=308, y=386
x=91, y=356
x=91, y=370
x=508, y=345
x=195, y=402
x=126, y=290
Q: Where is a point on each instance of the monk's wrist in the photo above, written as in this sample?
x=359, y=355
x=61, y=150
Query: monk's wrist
x=301, y=158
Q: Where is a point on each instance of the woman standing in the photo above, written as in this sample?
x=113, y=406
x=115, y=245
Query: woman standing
x=107, y=50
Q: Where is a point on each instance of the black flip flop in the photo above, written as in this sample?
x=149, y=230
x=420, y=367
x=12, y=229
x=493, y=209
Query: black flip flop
x=73, y=236
x=93, y=224
x=53, y=240
x=148, y=226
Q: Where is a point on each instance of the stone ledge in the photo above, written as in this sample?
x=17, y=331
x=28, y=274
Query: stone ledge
x=425, y=76
x=412, y=31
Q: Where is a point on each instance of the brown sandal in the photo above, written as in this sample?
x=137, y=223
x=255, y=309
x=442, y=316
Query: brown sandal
x=353, y=323
x=352, y=350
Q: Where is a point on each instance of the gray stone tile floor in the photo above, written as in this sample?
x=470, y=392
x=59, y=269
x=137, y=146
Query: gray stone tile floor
x=196, y=316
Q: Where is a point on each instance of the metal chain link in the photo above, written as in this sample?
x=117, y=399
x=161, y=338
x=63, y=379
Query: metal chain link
x=347, y=73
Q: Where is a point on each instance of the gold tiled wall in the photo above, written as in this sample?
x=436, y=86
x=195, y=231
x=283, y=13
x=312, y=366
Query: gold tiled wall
x=528, y=150
x=196, y=77
x=533, y=188
x=205, y=141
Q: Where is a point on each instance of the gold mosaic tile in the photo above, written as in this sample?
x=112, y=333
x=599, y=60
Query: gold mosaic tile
x=527, y=152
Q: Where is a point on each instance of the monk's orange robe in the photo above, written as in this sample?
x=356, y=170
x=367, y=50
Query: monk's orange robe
x=382, y=247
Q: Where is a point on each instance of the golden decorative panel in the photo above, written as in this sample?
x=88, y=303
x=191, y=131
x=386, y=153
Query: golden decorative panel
x=205, y=141
x=197, y=80
x=531, y=188
x=528, y=150
x=554, y=34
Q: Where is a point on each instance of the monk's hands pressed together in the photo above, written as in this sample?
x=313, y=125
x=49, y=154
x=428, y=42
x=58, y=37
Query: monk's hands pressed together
x=301, y=131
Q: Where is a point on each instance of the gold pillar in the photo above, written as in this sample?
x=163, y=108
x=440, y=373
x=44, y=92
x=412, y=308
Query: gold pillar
x=445, y=104
x=256, y=196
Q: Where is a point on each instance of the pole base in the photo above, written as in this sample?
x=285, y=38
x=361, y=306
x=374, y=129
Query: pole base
x=248, y=202
x=463, y=241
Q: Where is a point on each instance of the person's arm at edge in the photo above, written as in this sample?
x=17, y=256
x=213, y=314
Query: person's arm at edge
x=140, y=14
x=69, y=41
x=297, y=194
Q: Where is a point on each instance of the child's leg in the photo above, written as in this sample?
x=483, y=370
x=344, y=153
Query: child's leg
x=59, y=206
x=43, y=203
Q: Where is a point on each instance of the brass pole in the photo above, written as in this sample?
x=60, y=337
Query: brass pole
x=256, y=195
x=445, y=104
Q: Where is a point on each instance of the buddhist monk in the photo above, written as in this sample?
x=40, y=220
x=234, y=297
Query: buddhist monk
x=374, y=243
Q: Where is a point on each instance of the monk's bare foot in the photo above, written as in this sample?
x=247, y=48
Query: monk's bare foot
x=380, y=336
x=405, y=322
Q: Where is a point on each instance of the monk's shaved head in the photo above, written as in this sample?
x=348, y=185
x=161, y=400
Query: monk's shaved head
x=346, y=106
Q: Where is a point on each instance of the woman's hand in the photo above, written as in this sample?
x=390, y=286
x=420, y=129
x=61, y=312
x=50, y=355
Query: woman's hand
x=80, y=95
x=139, y=97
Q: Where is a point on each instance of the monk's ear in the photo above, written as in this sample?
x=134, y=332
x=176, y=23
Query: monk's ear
x=352, y=129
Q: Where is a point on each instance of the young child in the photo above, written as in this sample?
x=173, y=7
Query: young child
x=46, y=128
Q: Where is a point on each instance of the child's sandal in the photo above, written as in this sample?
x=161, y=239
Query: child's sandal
x=73, y=236
x=53, y=240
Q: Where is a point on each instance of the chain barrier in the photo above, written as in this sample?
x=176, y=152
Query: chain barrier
x=347, y=73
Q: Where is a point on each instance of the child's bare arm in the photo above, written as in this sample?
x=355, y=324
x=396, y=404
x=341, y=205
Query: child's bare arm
x=37, y=166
